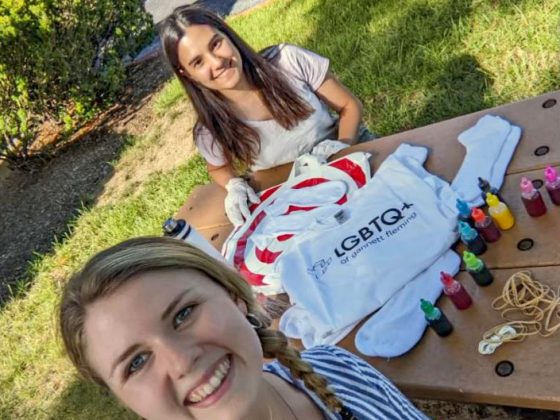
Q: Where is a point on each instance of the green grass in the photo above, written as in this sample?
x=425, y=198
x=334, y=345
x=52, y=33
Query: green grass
x=169, y=96
x=411, y=62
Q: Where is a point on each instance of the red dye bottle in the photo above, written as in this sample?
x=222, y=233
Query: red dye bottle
x=532, y=199
x=552, y=184
x=486, y=226
x=456, y=292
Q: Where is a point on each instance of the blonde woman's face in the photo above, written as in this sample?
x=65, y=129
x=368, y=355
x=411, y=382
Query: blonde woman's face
x=209, y=58
x=175, y=345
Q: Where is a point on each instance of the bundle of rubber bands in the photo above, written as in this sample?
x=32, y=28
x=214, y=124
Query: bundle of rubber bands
x=528, y=306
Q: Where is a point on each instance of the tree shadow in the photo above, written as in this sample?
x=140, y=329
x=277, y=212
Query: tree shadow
x=81, y=400
x=397, y=65
x=459, y=89
x=37, y=206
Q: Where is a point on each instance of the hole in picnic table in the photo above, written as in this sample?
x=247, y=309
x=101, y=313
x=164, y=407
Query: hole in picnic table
x=542, y=150
x=190, y=208
x=549, y=103
x=214, y=236
x=525, y=244
x=504, y=368
x=537, y=183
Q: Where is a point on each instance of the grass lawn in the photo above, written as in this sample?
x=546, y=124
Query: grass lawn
x=412, y=62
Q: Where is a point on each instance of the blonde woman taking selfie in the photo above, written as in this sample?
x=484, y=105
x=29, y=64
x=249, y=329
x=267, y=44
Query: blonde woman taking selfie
x=175, y=335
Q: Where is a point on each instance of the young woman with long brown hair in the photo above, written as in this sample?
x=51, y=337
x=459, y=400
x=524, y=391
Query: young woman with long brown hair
x=258, y=110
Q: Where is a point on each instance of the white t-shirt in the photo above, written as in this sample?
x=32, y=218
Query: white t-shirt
x=306, y=71
x=347, y=265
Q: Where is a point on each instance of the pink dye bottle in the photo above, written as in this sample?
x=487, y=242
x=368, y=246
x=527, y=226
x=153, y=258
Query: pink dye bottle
x=456, y=292
x=552, y=183
x=532, y=199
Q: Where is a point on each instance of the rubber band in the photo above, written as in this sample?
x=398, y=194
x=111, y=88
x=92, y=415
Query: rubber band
x=528, y=306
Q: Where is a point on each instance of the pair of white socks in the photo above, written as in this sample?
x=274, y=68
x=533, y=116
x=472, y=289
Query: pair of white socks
x=399, y=324
x=490, y=146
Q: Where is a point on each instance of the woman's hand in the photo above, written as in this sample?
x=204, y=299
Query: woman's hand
x=237, y=199
x=327, y=148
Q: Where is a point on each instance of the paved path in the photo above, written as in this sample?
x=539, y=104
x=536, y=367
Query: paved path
x=159, y=9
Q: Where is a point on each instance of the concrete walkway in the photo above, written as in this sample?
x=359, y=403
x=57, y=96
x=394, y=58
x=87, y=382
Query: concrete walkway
x=160, y=9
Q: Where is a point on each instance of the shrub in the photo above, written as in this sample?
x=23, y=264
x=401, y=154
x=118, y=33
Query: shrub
x=60, y=61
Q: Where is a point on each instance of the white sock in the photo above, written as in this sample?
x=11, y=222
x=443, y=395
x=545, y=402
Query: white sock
x=500, y=166
x=400, y=323
x=407, y=151
x=484, y=143
x=296, y=324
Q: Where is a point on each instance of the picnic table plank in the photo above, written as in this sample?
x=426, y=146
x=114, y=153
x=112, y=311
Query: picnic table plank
x=451, y=367
x=205, y=207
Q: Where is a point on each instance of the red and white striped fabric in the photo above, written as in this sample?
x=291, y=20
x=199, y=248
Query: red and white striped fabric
x=256, y=263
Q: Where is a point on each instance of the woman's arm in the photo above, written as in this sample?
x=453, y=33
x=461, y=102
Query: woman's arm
x=221, y=174
x=349, y=108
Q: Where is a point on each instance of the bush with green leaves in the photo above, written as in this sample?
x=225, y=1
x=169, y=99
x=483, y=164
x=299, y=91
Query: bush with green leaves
x=60, y=62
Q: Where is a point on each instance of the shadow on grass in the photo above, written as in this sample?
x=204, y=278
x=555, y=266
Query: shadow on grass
x=37, y=207
x=400, y=65
x=459, y=89
x=84, y=401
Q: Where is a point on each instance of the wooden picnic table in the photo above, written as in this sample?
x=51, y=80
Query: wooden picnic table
x=451, y=368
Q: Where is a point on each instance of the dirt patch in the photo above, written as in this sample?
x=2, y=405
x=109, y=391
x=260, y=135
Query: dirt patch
x=37, y=206
x=163, y=147
x=461, y=411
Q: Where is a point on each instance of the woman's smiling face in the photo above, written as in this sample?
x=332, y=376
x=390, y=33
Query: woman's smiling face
x=175, y=345
x=209, y=58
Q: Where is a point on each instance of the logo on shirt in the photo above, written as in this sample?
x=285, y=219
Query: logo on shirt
x=373, y=231
x=320, y=268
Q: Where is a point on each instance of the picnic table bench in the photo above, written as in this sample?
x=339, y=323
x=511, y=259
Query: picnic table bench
x=451, y=368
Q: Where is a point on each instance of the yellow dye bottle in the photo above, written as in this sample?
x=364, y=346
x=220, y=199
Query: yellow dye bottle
x=499, y=212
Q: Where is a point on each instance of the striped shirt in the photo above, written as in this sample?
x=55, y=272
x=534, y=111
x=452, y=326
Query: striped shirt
x=361, y=388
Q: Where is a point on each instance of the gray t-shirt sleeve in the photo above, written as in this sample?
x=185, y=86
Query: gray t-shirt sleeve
x=305, y=65
x=210, y=150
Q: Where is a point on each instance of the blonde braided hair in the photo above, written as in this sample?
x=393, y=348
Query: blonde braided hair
x=275, y=345
x=110, y=269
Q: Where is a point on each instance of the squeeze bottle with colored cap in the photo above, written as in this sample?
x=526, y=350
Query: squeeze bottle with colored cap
x=499, y=212
x=552, y=184
x=472, y=239
x=485, y=226
x=464, y=212
x=456, y=292
x=180, y=229
x=436, y=319
x=532, y=198
x=485, y=187
x=477, y=269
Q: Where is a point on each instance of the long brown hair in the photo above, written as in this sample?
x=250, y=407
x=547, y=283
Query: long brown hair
x=239, y=142
x=112, y=268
